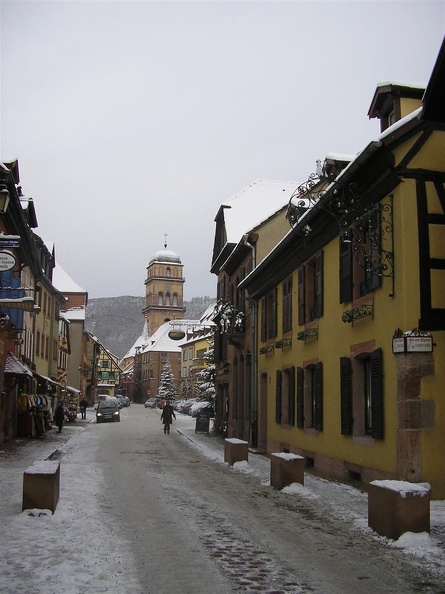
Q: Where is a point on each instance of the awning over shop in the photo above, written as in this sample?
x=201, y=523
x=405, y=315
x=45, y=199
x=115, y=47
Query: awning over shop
x=15, y=367
x=47, y=380
x=73, y=390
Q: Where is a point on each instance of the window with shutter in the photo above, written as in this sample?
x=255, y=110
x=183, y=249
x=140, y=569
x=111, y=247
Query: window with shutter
x=318, y=305
x=365, y=382
x=360, y=258
x=310, y=289
x=269, y=316
x=377, y=394
x=300, y=397
x=287, y=305
x=263, y=319
x=301, y=297
x=273, y=323
x=318, y=396
x=346, y=396
x=278, y=395
x=291, y=395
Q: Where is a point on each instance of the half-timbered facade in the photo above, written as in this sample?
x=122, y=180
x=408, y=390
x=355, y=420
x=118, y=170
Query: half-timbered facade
x=351, y=304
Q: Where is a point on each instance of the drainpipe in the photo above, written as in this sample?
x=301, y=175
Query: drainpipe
x=253, y=379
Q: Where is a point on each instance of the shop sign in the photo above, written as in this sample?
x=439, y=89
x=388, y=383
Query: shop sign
x=176, y=334
x=11, y=241
x=202, y=422
x=7, y=260
x=419, y=344
x=398, y=345
x=412, y=344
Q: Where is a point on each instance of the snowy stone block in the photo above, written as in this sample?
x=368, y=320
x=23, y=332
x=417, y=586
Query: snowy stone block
x=41, y=485
x=235, y=450
x=286, y=469
x=396, y=507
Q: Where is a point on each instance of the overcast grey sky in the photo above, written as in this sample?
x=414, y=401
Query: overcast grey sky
x=135, y=119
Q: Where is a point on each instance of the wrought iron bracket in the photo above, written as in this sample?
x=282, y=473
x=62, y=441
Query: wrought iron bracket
x=267, y=349
x=308, y=333
x=283, y=343
x=356, y=313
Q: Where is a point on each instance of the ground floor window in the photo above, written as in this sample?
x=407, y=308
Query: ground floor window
x=310, y=396
x=285, y=396
x=361, y=390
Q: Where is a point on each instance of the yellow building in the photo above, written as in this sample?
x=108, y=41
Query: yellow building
x=248, y=226
x=351, y=304
x=193, y=360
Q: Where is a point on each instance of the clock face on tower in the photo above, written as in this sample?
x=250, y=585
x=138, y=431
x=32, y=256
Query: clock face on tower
x=167, y=287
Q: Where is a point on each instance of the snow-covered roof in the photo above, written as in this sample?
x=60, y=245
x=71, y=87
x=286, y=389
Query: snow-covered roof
x=390, y=130
x=166, y=256
x=400, y=83
x=139, y=343
x=345, y=157
x=253, y=205
x=63, y=282
x=128, y=369
x=160, y=340
x=14, y=366
x=75, y=314
x=207, y=316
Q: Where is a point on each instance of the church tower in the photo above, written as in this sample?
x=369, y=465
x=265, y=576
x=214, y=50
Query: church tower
x=164, y=288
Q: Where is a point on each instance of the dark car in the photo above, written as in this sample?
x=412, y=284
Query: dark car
x=151, y=403
x=186, y=406
x=107, y=410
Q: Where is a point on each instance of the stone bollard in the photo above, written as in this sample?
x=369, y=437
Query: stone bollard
x=41, y=485
x=396, y=507
x=286, y=469
x=235, y=450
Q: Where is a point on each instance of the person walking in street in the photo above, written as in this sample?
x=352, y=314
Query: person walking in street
x=167, y=416
x=59, y=416
x=83, y=408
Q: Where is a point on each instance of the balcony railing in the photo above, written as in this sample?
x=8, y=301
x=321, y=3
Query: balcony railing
x=283, y=343
x=357, y=313
x=267, y=349
x=307, y=334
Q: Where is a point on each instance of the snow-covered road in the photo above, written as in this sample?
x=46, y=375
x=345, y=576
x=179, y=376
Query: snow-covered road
x=141, y=511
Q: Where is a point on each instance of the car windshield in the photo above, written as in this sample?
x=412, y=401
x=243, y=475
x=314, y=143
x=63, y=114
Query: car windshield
x=106, y=404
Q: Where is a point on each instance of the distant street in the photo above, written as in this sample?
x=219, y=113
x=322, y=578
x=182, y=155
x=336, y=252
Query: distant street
x=141, y=512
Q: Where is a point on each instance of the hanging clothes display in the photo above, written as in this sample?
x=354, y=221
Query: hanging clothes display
x=33, y=415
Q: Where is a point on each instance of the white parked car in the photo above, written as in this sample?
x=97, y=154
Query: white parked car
x=202, y=406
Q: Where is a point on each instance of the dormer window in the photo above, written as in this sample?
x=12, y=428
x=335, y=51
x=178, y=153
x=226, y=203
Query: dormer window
x=393, y=101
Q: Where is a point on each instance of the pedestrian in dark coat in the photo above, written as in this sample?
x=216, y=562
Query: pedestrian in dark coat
x=167, y=416
x=59, y=416
x=83, y=408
